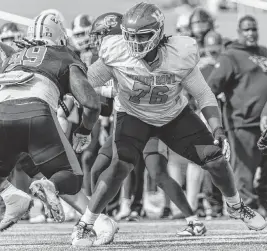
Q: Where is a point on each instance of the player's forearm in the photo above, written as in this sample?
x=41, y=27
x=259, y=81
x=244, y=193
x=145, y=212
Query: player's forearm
x=89, y=117
x=213, y=116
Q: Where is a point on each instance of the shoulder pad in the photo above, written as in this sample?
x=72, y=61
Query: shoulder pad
x=186, y=48
x=112, y=49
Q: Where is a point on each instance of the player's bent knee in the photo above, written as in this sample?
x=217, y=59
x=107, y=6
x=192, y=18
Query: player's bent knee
x=214, y=159
x=128, y=154
x=75, y=186
x=119, y=169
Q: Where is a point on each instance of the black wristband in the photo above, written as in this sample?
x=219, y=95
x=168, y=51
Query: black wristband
x=82, y=130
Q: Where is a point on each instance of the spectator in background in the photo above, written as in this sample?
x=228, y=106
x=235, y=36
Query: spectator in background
x=241, y=73
x=182, y=25
x=200, y=23
x=213, y=46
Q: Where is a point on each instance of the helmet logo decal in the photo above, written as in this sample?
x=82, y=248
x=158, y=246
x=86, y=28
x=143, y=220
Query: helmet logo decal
x=158, y=16
x=110, y=21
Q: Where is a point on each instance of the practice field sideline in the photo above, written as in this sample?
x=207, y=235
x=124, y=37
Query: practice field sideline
x=152, y=235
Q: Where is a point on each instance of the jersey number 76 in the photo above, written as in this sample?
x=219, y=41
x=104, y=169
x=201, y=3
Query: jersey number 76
x=157, y=95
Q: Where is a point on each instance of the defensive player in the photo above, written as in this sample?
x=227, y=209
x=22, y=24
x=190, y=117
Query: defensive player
x=152, y=71
x=30, y=90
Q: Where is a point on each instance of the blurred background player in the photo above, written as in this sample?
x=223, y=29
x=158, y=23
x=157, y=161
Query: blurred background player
x=9, y=32
x=86, y=48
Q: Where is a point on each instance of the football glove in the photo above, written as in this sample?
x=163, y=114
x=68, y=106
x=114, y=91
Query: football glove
x=262, y=143
x=221, y=140
x=81, y=139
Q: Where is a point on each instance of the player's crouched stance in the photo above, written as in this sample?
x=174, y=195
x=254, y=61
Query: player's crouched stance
x=151, y=72
x=33, y=80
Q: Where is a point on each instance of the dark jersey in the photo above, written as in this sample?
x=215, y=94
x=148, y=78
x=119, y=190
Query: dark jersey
x=52, y=62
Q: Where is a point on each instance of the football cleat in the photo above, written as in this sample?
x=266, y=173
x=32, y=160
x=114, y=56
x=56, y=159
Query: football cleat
x=17, y=205
x=83, y=235
x=125, y=210
x=251, y=218
x=105, y=229
x=45, y=190
x=194, y=228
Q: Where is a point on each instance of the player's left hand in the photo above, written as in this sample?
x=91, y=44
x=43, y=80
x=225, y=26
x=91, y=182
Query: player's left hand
x=221, y=140
x=262, y=143
x=81, y=140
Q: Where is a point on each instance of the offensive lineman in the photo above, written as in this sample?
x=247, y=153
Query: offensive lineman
x=152, y=71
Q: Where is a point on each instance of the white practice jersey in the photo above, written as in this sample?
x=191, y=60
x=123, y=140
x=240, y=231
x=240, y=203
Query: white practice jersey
x=153, y=93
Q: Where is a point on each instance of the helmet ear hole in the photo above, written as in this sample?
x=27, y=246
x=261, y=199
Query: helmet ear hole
x=47, y=28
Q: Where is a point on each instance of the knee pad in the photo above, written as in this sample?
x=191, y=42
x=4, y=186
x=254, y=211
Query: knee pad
x=106, y=149
x=155, y=146
x=26, y=164
x=127, y=153
x=76, y=185
x=214, y=158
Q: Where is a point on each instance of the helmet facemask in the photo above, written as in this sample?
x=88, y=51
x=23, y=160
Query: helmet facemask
x=81, y=38
x=140, y=49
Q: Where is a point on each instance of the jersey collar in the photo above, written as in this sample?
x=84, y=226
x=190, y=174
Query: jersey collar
x=155, y=64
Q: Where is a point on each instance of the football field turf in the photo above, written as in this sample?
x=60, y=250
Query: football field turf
x=152, y=235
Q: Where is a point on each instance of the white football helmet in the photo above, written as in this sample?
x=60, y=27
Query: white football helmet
x=9, y=32
x=143, y=18
x=81, y=28
x=57, y=13
x=49, y=29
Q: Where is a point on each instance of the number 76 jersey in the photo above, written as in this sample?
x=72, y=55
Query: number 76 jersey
x=151, y=92
x=53, y=62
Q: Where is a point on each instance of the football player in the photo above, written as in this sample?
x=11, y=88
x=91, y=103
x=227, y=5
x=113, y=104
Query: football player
x=9, y=32
x=33, y=80
x=152, y=70
x=155, y=159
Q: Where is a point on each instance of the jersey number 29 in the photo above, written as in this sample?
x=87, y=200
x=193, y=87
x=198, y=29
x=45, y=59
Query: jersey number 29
x=31, y=57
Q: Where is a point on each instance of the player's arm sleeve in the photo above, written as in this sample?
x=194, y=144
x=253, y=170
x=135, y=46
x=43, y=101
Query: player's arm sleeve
x=85, y=94
x=107, y=107
x=222, y=75
x=99, y=73
x=196, y=85
x=106, y=91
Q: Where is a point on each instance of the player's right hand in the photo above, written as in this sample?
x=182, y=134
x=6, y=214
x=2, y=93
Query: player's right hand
x=262, y=143
x=221, y=140
x=81, y=139
x=263, y=123
x=80, y=142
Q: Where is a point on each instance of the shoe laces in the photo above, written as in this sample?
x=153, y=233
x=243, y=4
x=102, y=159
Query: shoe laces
x=84, y=230
x=190, y=227
x=246, y=212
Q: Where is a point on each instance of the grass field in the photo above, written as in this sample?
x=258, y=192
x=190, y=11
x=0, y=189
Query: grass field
x=156, y=235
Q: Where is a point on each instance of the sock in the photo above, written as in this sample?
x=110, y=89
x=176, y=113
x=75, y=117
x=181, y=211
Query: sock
x=192, y=218
x=231, y=201
x=89, y=217
x=126, y=202
x=4, y=185
x=9, y=189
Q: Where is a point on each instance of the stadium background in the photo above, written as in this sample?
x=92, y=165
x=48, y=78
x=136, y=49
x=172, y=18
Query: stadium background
x=225, y=21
